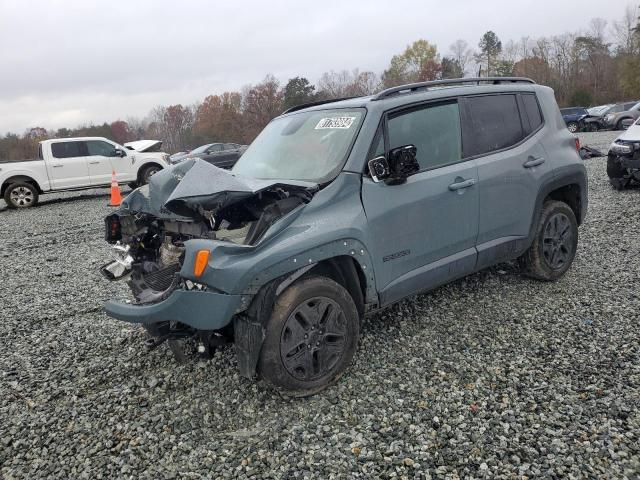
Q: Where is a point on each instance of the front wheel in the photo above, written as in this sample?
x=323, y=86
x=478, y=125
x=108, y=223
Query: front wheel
x=21, y=195
x=572, y=126
x=311, y=337
x=554, y=245
x=147, y=173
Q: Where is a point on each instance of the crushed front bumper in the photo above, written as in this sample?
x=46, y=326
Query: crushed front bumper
x=200, y=310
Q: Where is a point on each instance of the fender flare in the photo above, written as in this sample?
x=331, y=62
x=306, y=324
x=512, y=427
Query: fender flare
x=337, y=248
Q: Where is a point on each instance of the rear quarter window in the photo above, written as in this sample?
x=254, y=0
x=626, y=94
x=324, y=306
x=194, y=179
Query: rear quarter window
x=494, y=124
x=532, y=111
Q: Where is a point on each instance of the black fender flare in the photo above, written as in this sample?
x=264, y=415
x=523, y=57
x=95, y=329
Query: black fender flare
x=564, y=176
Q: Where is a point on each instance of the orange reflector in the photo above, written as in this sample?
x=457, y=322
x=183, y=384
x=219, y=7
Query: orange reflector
x=202, y=258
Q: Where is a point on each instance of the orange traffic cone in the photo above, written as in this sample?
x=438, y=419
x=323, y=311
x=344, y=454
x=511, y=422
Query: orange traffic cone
x=116, y=198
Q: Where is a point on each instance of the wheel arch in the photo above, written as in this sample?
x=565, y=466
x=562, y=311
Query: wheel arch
x=145, y=166
x=570, y=194
x=347, y=270
x=18, y=178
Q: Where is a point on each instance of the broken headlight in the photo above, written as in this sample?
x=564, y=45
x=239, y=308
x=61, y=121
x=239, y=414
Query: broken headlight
x=620, y=148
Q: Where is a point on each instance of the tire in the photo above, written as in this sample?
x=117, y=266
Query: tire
x=147, y=173
x=572, y=127
x=311, y=337
x=620, y=125
x=618, y=177
x=554, y=245
x=21, y=195
x=132, y=185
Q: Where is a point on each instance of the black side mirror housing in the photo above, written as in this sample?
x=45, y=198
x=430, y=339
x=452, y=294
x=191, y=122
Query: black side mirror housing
x=118, y=152
x=402, y=164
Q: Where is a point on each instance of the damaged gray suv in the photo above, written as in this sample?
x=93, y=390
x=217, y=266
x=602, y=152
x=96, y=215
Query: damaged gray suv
x=341, y=208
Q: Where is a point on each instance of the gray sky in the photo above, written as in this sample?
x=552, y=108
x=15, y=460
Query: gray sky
x=69, y=62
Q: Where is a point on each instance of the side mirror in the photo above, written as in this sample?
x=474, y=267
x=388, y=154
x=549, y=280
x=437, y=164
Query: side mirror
x=378, y=168
x=402, y=164
x=119, y=153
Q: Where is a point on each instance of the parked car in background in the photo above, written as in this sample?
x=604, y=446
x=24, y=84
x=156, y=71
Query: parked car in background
x=573, y=117
x=623, y=160
x=595, y=119
x=223, y=155
x=622, y=115
x=176, y=157
x=341, y=208
x=75, y=164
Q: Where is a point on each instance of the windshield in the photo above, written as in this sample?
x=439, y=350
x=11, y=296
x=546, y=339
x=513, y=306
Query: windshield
x=201, y=149
x=309, y=146
x=598, y=110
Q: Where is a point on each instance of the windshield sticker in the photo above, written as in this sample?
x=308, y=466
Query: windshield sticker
x=335, y=122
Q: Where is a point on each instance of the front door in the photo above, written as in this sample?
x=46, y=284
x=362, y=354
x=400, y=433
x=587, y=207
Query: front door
x=68, y=166
x=103, y=161
x=423, y=232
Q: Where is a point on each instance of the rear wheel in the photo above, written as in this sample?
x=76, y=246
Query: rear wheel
x=311, y=337
x=572, y=126
x=618, y=177
x=21, y=195
x=554, y=245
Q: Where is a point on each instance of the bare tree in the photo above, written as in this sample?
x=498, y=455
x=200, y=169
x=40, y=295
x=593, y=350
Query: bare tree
x=462, y=54
x=623, y=32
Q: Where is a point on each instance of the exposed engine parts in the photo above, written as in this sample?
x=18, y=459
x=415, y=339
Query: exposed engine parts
x=149, y=250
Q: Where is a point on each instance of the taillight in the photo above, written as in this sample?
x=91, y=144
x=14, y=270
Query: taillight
x=113, y=231
x=577, y=145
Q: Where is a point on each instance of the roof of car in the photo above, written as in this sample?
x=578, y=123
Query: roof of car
x=401, y=97
x=74, y=139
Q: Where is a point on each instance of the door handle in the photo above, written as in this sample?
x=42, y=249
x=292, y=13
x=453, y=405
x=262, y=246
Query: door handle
x=58, y=166
x=460, y=184
x=94, y=163
x=533, y=162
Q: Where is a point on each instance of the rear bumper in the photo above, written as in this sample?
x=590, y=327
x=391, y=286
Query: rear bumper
x=200, y=310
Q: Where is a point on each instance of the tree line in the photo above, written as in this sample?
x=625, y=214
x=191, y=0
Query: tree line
x=600, y=64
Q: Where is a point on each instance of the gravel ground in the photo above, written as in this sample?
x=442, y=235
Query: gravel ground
x=494, y=376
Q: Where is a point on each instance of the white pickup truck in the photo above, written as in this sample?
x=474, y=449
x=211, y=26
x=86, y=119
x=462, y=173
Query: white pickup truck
x=75, y=164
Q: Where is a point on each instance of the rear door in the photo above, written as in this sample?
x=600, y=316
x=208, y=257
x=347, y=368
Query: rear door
x=423, y=232
x=230, y=155
x=502, y=133
x=214, y=155
x=68, y=165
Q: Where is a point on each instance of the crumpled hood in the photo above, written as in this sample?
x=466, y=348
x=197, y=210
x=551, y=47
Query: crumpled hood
x=142, y=145
x=195, y=187
x=632, y=134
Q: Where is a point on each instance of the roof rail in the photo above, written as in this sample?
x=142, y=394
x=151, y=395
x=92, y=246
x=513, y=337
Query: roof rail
x=412, y=87
x=313, y=104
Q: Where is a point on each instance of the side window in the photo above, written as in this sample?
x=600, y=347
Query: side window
x=230, y=146
x=434, y=130
x=68, y=149
x=99, y=148
x=495, y=124
x=532, y=109
x=215, y=148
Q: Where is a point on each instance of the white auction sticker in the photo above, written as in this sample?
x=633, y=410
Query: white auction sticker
x=335, y=122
